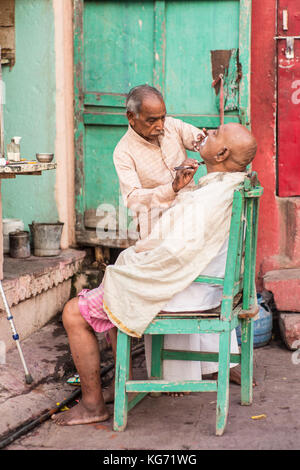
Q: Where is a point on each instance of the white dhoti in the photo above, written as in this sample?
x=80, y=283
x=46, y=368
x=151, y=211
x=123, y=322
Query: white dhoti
x=189, y=370
x=196, y=297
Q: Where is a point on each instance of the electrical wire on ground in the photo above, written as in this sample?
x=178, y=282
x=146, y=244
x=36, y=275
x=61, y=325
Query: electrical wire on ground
x=28, y=425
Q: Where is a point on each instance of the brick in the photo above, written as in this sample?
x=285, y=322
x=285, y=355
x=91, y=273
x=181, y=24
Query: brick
x=289, y=324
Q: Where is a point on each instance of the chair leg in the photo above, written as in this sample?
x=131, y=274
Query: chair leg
x=223, y=382
x=156, y=359
x=121, y=376
x=247, y=362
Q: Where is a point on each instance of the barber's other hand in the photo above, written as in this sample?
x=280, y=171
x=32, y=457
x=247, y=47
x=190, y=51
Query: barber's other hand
x=200, y=137
x=183, y=177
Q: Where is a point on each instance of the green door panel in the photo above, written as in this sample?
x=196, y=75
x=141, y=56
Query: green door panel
x=118, y=45
x=207, y=26
x=178, y=46
x=100, y=172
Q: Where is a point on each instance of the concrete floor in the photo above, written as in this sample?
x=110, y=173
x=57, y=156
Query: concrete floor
x=162, y=423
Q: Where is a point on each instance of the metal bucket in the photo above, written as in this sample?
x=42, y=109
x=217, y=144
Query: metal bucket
x=19, y=246
x=46, y=238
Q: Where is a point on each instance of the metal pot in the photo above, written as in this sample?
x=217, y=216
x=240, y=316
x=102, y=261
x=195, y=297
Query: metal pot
x=19, y=246
x=10, y=225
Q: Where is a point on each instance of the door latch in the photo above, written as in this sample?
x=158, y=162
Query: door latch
x=289, y=50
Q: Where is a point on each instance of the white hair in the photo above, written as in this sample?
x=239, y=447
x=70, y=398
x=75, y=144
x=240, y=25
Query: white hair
x=137, y=94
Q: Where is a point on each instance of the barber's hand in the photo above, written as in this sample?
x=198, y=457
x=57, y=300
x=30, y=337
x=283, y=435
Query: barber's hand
x=183, y=177
x=200, y=137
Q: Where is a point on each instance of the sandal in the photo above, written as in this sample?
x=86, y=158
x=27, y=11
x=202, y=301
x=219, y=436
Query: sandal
x=75, y=380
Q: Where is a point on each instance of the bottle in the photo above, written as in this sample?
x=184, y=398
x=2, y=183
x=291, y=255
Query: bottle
x=13, y=150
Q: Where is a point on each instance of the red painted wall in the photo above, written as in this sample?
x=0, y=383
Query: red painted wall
x=263, y=118
x=278, y=250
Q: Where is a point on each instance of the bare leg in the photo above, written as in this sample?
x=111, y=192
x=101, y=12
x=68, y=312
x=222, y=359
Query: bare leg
x=113, y=334
x=234, y=376
x=109, y=392
x=86, y=356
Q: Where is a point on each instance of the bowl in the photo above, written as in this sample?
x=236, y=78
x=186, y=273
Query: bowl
x=44, y=157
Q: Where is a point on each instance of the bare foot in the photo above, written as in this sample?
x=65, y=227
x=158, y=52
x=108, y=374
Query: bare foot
x=109, y=393
x=81, y=414
x=177, y=394
x=234, y=376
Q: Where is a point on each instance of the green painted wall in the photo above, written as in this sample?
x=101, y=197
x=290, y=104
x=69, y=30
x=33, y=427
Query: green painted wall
x=29, y=111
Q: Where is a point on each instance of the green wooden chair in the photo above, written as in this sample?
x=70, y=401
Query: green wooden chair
x=239, y=281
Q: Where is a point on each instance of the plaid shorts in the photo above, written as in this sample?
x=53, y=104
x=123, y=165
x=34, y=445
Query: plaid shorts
x=91, y=308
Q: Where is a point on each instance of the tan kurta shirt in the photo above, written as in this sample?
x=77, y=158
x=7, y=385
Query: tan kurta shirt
x=146, y=171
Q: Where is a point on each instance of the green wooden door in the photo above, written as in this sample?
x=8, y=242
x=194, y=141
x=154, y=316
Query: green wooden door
x=177, y=46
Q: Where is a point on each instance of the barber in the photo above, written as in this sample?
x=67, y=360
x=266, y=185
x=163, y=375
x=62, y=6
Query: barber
x=147, y=154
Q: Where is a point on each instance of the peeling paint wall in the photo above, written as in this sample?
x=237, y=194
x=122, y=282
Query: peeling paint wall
x=278, y=249
x=64, y=142
x=263, y=118
x=29, y=110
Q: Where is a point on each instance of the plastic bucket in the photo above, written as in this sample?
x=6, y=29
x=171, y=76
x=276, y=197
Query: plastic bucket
x=46, y=238
x=262, y=327
x=10, y=225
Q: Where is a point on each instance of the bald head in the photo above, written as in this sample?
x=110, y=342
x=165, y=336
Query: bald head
x=231, y=147
x=241, y=143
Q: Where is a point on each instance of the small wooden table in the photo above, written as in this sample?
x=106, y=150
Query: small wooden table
x=11, y=171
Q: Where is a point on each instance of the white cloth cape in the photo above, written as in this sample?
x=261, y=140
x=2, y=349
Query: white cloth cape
x=181, y=245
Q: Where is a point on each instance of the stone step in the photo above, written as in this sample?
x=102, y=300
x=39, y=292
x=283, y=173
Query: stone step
x=285, y=286
x=36, y=289
x=26, y=278
x=289, y=324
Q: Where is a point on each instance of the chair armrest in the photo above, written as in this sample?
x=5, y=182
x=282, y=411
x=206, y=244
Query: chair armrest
x=251, y=313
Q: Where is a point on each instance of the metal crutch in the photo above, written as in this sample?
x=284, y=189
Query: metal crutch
x=28, y=377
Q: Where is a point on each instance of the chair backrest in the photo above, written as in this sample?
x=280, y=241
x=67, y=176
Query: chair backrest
x=241, y=254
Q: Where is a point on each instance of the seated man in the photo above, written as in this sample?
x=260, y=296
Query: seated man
x=147, y=276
